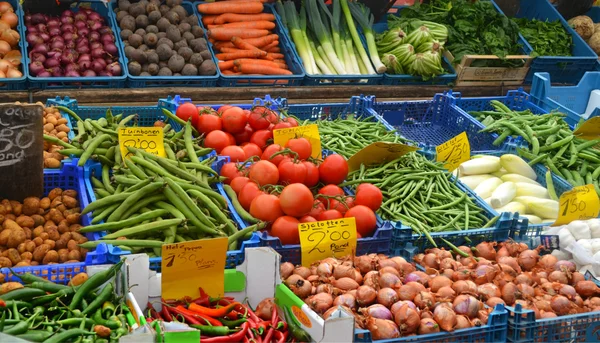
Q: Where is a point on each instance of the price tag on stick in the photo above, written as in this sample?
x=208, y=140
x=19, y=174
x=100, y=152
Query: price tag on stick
x=454, y=152
x=328, y=238
x=310, y=132
x=378, y=152
x=187, y=266
x=150, y=139
x=580, y=203
x=590, y=129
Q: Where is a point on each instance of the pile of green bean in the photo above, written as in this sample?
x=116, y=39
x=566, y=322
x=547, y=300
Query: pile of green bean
x=550, y=141
x=421, y=194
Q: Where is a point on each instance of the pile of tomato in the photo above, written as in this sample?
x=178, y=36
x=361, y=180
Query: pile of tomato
x=283, y=186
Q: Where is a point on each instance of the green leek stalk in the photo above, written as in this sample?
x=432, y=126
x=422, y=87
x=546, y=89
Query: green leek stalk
x=350, y=59
x=335, y=30
x=323, y=68
x=322, y=33
x=355, y=38
x=365, y=19
x=306, y=39
x=361, y=65
x=296, y=33
x=281, y=11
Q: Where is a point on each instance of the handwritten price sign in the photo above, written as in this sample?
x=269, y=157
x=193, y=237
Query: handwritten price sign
x=187, y=266
x=454, y=152
x=150, y=139
x=328, y=238
x=580, y=203
x=378, y=152
x=590, y=129
x=310, y=132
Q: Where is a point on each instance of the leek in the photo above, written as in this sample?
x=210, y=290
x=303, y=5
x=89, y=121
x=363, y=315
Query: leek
x=356, y=39
x=306, y=39
x=363, y=16
x=298, y=37
x=323, y=67
x=322, y=33
x=281, y=11
x=361, y=64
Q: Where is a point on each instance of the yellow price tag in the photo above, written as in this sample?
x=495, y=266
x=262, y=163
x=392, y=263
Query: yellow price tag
x=454, y=152
x=310, y=132
x=150, y=139
x=189, y=265
x=378, y=152
x=580, y=203
x=590, y=129
x=328, y=238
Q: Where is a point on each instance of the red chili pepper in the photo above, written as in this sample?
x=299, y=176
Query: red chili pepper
x=166, y=314
x=269, y=335
x=280, y=337
x=213, y=312
x=2, y=303
x=203, y=299
x=234, y=337
x=252, y=315
x=246, y=340
x=274, y=316
x=190, y=319
x=153, y=313
x=281, y=326
x=198, y=316
x=262, y=327
x=234, y=315
x=150, y=320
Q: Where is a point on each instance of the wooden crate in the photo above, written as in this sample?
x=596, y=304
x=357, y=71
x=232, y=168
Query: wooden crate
x=489, y=76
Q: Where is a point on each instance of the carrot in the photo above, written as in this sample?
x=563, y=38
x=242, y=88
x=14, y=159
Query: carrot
x=260, y=42
x=228, y=33
x=246, y=7
x=226, y=65
x=275, y=55
x=234, y=50
x=235, y=18
x=273, y=49
x=240, y=54
x=261, y=24
x=230, y=72
x=273, y=44
x=242, y=44
x=208, y=19
x=240, y=61
x=220, y=45
x=260, y=69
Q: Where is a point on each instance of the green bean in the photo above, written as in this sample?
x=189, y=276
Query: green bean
x=133, y=198
x=124, y=223
x=180, y=199
x=143, y=228
x=90, y=149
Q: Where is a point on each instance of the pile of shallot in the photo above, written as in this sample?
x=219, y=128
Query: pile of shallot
x=388, y=296
x=76, y=44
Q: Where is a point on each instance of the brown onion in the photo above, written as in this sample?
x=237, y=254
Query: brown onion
x=364, y=263
x=558, y=276
x=593, y=302
x=388, y=263
x=568, y=291
x=445, y=316
x=324, y=269
x=576, y=277
x=264, y=309
x=329, y=312
x=302, y=271
x=565, y=266
x=399, y=261
x=466, y=250
x=445, y=294
x=438, y=282
x=464, y=287
x=486, y=250
x=528, y=259
x=511, y=262
x=345, y=284
x=489, y=290
x=431, y=260
x=388, y=280
x=525, y=291
x=587, y=288
x=347, y=300
x=509, y=293
x=371, y=279
x=448, y=263
x=548, y=261
x=365, y=296
x=382, y=329
x=428, y=325
x=544, y=314
x=419, y=258
x=560, y=305
x=506, y=269
x=524, y=278
x=484, y=274
x=418, y=276
x=502, y=252
x=299, y=286
x=461, y=274
x=406, y=268
x=341, y=271
x=324, y=288
x=320, y=302
x=493, y=301
x=358, y=276
x=426, y=314
x=449, y=273
x=542, y=304
x=285, y=270
x=468, y=262
x=312, y=278
x=407, y=319
x=377, y=311
x=390, y=270
x=483, y=315
x=424, y=300
x=410, y=290
x=467, y=305
x=398, y=304
x=462, y=322
x=387, y=296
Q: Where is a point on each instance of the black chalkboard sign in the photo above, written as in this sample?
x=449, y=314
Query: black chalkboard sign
x=21, y=151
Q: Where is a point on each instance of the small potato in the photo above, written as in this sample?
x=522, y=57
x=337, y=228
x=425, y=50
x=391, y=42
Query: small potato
x=55, y=215
x=79, y=238
x=74, y=218
x=2, y=278
x=30, y=246
x=28, y=232
x=51, y=163
x=56, y=202
x=48, y=127
x=25, y=221
x=4, y=235
x=78, y=279
x=5, y=262
x=63, y=128
x=34, y=263
x=66, y=236
x=31, y=206
x=38, y=241
x=3, y=210
x=6, y=205
x=63, y=226
x=61, y=207
x=23, y=264
x=17, y=237
x=61, y=134
x=74, y=255
x=75, y=228
x=51, y=243
x=37, y=220
x=51, y=257
x=40, y=252
x=27, y=256
x=44, y=236
x=70, y=192
x=17, y=208
x=10, y=225
x=45, y=203
x=14, y=256
x=72, y=245
x=63, y=255
x=38, y=231
x=54, y=193
x=62, y=121
x=11, y=217
x=22, y=248
x=52, y=120
x=53, y=234
x=9, y=286
x=49, y=225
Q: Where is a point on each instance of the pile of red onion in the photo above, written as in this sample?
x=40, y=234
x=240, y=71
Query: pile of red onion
x=76, y=44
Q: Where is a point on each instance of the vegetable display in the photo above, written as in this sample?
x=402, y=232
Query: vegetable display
x=546, y=38
x=244, y=38
x=588, y=30
x=55, y=125
x=327, y=37
x=10, y=53
x=163, y=39
x=76, y=44
x=43, y=311
x=41, y=231
x=508, y=184
x=550, y=141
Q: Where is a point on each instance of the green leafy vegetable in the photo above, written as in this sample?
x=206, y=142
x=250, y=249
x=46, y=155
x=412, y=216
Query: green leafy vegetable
x=546, y=38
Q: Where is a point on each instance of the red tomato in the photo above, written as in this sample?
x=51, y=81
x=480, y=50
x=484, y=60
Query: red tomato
x=317, y=208
x=235, y=153
x=290, y=172
x=251, y=149
x=224, y=108
x=286, y=229
x=186, y=111
x=301, y=146
x=217, y=140
x=234, y=120
x=208, y=122
x=330, y=190
x=292, y=121
x=296, y=200
x=230, y=171
x=269, y=151
x=264, y=173
x=248, y=193
x=366, y=222
x=312, y=174
x=342, y=206
x=368, y=195
x=261, y=117
x=244, y=136
x=282, y=125
x=207, y=110
x=266, y=207
x=329, y=215
x=334, y=169
x=307, y=219
x=238, y=183
x=261, y=138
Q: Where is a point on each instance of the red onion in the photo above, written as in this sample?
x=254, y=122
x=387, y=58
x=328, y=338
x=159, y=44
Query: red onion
x=417, y=276
x=97, y=53
x=68, y=29
x=44, y=74
x=98, y=65
x=38, y=18
x=445, y=316
x=467, y=305
x=378, y=311
x=36, y=67
x=104, y=29
x=428, y=325
x=95, y=45
x=57, y=45
x=95, y=26
x=41, y=28
x=407, y=319
x=85, y=65
x=53, y=22
x=40, y=48
x=51, y=63
x=68, y=57
x=84, y=32
x=34, y=39
x=36, y=56
x=382, y=329
x=565, y=266
x=67, y=13
x=94, y=16
x=67, y=20
x=56, y=71
x=71, y=67
x=72, y=73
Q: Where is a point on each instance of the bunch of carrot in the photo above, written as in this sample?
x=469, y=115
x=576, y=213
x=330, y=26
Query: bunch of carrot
x=243, y=37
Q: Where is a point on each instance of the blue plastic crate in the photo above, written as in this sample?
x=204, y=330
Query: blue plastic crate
x=163, y=81
x=328, y=80
x=80, y=82
x=172, y=103
x=21, y=82
x=68, y=177
x=571, y=100
x=432, y=122
x=357, y=106
x=291, y=59
x=563, y=69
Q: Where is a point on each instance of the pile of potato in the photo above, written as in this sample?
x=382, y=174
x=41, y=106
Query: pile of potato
x=41, y=231
x=54, y=125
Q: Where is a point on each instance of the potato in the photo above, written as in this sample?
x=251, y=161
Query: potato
x=74, y=218
x=72, y=245
x=75, y=228
x=63, y=255
x=26, y=256
x=74, y=255
x=38, y=220
x=45, y=203
x=79, y=238
x=30, y=246
x=51, y=257
x=23, y=264
x=2, y=278
x=61, y=134
x=3, y=210
x=34, y=263
x=53, y=234
x=25, y=221
x=40, y=252
x=17, y=237
x=55, y=215
x=9, y=286
x=14, y=256
x=49, y=225
x=62, y=121
x=51, y=163
x=10, y=225
x=22, y=248
x=63, y=128
x=54, y=193
x=10, y=216
x=6, y=205
x=4, y=237
x=61, y=207
x=31, y=206
x=28, y=232
x=5, y=262
x=70, y=192
x=63, y=226
x=48, y=127
x=44, y=236
x=38, y=231
x=78, y=279
x=56, y=202
x=38, y=241
x=51, y=243
x=17, y=207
